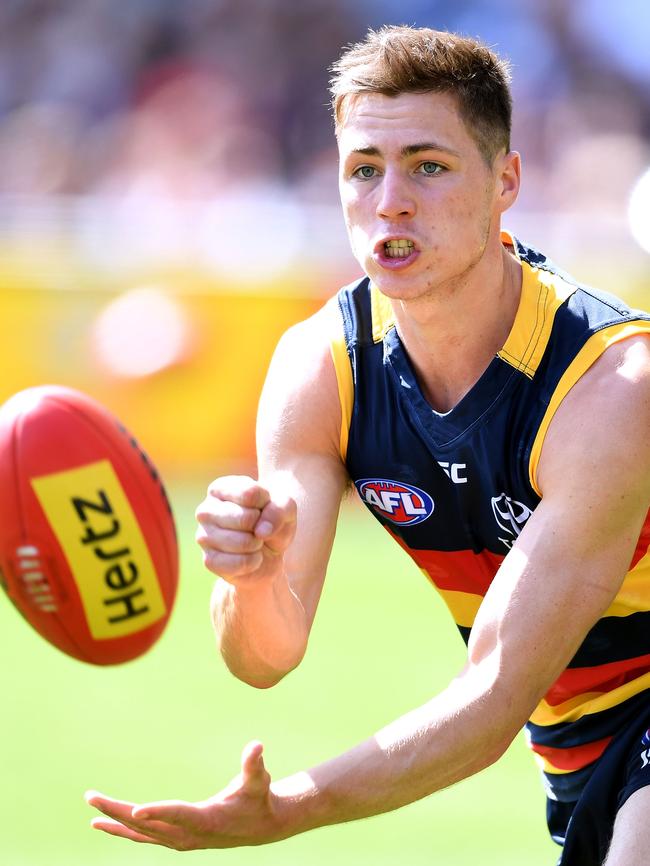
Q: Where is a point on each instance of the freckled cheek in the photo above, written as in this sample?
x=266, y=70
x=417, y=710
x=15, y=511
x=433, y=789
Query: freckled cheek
x=359, y=241
x=355, y=212
x=347, y=193
x=457, y=216
x=354, y=208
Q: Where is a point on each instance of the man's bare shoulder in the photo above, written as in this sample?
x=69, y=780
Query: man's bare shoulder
x=630, y=359
x=300, y=402
x=600, y=431
x=306, y=346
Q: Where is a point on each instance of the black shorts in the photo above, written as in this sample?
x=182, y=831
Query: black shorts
x=586, y=825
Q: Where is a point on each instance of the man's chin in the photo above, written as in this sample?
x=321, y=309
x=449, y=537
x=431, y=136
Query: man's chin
x=393, y=284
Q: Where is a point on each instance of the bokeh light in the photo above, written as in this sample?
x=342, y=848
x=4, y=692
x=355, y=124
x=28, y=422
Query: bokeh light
x=140, y=333
x=638, y=211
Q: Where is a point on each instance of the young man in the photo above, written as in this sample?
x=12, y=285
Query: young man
x=493, y=415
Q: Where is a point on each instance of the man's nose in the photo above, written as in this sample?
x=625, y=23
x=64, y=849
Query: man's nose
x=395, y=200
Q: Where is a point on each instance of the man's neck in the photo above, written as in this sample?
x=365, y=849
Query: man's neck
x=452, y=335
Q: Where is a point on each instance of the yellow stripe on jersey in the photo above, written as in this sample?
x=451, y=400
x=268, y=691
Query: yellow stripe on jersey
x=542, y=294
x=587, y=703
x=590, y=352
x=343, y=369
x=463, y=606
x=634, y=594
x=383, y=317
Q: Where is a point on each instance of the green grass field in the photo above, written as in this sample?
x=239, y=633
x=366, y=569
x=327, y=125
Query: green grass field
x=172, y=724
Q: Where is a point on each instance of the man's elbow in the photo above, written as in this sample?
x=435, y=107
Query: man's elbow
x=258, y=676
x=500, y=745
x=499, y=700
x=259, y=680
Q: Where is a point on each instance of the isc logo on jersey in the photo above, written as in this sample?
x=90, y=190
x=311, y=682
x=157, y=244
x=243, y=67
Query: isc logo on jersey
x=398, y=502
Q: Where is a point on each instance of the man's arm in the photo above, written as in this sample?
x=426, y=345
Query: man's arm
x=560, y=577
x=269, y=541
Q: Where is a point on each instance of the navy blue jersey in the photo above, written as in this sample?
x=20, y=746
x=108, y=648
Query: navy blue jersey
x=455, y=489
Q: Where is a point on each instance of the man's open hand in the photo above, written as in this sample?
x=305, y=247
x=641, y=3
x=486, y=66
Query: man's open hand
x=244, y=813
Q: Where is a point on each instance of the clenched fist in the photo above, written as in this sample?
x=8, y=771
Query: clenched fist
x=244, y=529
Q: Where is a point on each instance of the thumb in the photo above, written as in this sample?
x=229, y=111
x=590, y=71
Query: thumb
x=253, y=772
x=277, y=523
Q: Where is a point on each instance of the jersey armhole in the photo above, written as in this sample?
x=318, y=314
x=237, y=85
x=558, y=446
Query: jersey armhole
x=343, y=370
x=590, y=352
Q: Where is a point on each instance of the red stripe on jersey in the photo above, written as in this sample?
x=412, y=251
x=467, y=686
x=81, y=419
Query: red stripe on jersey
x=642, y=544
x=575, y=758
x=603, y=678
x=456, y=570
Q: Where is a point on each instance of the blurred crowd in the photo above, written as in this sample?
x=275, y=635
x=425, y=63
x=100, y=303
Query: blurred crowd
x=212, y=103
x=186, y=99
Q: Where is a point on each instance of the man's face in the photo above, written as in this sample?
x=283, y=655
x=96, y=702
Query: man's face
x=419, y=200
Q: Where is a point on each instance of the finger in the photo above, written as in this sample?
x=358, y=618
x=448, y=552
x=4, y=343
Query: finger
x=226, y=514
x=121, y=810
x=240, y=489
x=120, y=821
x=253, y=772
x=277, y=524
x=232, y=565
x=228, y=541
x=117, y=810
x=168, y=811
x=114, y=828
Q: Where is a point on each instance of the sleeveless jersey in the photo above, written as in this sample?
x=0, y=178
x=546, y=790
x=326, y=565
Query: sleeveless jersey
x=455, y=489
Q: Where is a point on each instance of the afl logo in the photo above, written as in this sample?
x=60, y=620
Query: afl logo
x=398, y=502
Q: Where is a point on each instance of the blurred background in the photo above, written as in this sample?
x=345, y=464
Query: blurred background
x=168, y=206
x=168, y=195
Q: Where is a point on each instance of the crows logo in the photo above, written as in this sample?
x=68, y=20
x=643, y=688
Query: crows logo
x=510, y=514
x=394, y=500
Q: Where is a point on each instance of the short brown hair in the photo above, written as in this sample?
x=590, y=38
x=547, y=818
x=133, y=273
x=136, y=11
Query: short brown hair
x=401, y=59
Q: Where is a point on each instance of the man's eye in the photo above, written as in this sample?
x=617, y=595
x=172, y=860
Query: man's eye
x=365, y=171
x=430, y=168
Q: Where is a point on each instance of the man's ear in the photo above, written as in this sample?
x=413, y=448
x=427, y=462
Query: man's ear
x=508, y=179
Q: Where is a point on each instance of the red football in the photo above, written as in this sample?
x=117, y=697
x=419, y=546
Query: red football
x=88, y=550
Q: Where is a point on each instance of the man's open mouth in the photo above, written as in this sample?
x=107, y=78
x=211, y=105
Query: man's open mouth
x=398, y=249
